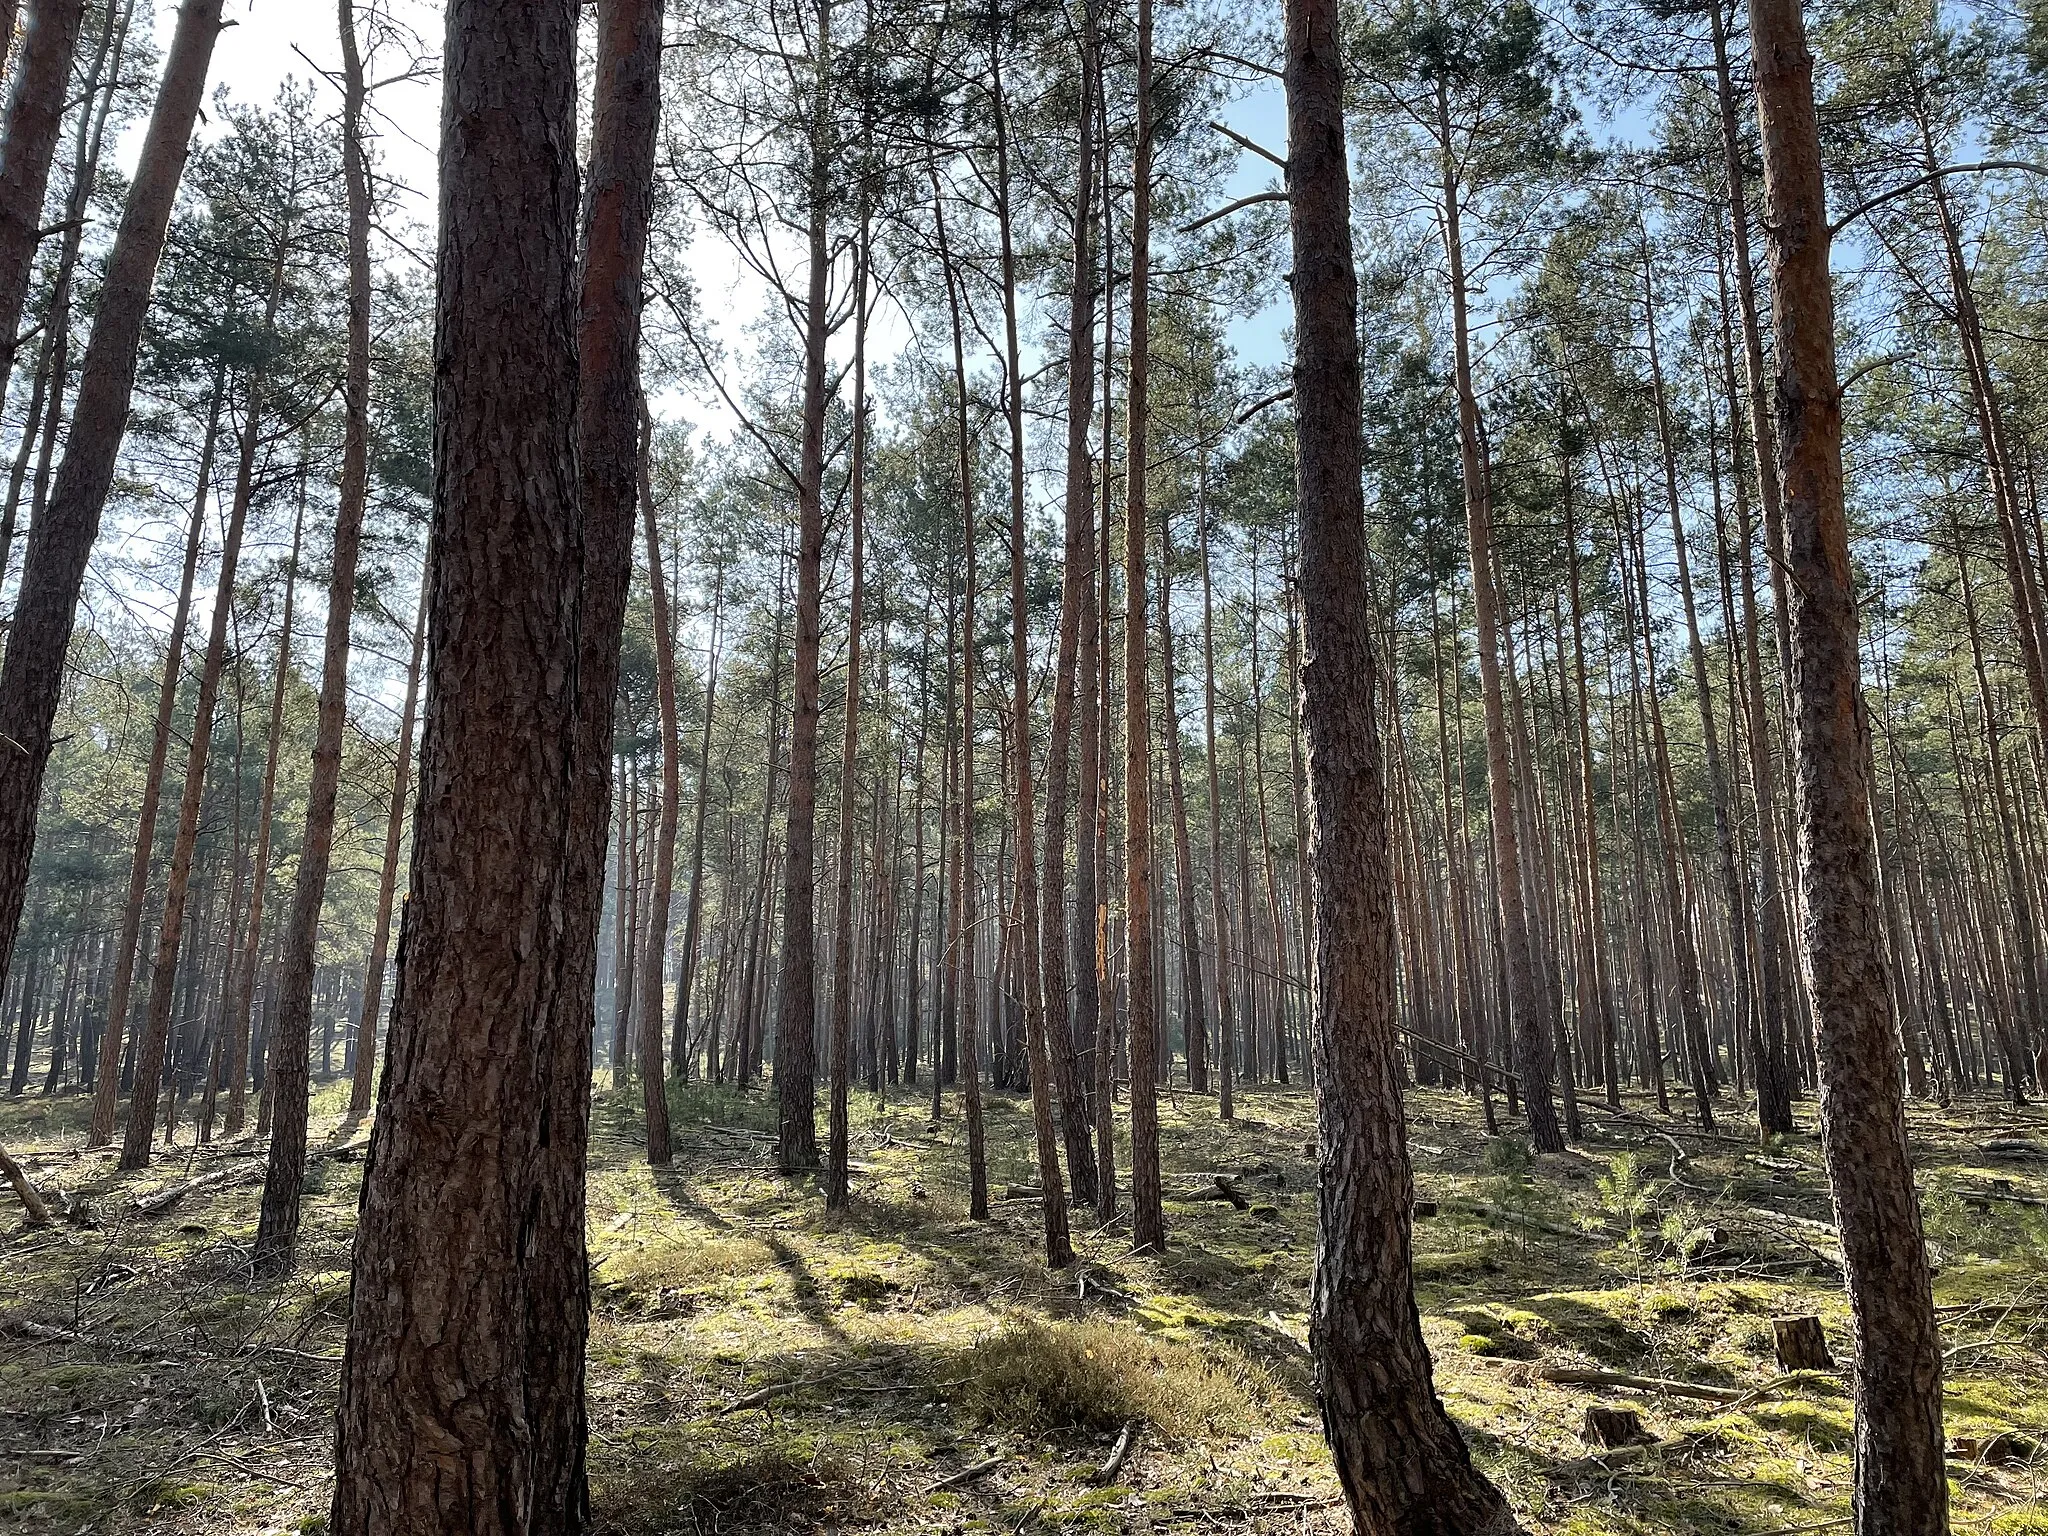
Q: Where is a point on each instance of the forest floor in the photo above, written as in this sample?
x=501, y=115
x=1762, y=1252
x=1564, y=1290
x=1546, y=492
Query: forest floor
x=756, y=1365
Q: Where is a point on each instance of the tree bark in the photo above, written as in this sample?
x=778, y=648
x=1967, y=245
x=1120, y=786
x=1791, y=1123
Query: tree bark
x=461, y=1385
x=1901, y=1486
x=1148, y=1217
x=61, y=541
x=1401, y=1460
x=28, y=140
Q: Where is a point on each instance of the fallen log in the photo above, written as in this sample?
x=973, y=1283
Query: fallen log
x=967, y=1475
x=1573, y=1376
x=1126, y=1442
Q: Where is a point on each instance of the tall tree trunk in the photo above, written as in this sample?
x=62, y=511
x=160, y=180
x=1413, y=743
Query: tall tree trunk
x=28, y=140
x=370, y=1024
x=1059, y=1252
x=156, y=1028
x=61, y=541
x=243, y=959
x=693, y=912
x=1072, y=676
x=796, y=1020
x=1901, y=1485
x=965, y=900
x=1226, y=1020
x=661, y=891
x=1186, y=908
x=1148, y=1218
x=107, y=1081
x=1524, y=1005
x=1401, y=1460
x=472, y=1191
x=837, y=1191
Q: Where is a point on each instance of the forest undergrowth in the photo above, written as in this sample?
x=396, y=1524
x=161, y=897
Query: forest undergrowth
x=757, y=1365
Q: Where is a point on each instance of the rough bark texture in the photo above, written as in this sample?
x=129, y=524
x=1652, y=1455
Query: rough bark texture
x=1402, y=1462
x=1901, y=1489
x=35, y=118
x=460, y=1387
x=62, y=538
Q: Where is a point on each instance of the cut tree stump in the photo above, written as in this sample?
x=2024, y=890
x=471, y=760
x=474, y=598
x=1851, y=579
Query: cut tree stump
x=1611, y=1428
x=1801, y=1344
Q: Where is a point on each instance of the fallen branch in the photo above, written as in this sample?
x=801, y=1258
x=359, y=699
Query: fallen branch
x=1573, y=1376
x=1126, y=1442
x=779, y=1389
x=38, y=1213
x=164, y=1199
x=967, y=1475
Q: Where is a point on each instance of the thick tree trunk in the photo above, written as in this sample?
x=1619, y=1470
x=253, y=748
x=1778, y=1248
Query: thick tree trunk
x=1401, y=1460
x=61, y=541
x=28, y=140
x=1901, y=1486
x=469, y=1264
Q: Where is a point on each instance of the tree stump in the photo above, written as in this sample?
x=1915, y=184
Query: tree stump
x=1610, y=1428
x=1801, y=1344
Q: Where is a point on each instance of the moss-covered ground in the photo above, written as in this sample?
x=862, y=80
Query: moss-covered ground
x=758, y=1366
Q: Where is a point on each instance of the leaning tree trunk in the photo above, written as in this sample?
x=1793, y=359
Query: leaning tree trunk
x=28, y=140
x=1901, y=1486
x=156, y=1027
x=107, y=1078
x=61, y=541
x=1401, y=1460
x=472, y=1190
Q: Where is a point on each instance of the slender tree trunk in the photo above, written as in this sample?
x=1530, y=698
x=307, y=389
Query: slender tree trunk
x=370, y=1025
x=156, y=1029
x=243, y=988
x=61, y=540
x=693, y=913
x=1401, y=1460
x=1148, y=1219
x=1073, y=675
x=472, y=1191
x=796, y=1021
x=1226, y=1020
x=1524, y=1006
x=661, y=891
x=1901, y=1484
x=108, y=1076
x=837, y=1190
